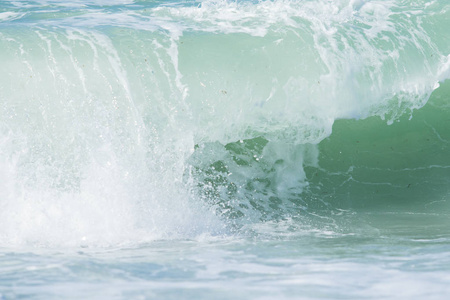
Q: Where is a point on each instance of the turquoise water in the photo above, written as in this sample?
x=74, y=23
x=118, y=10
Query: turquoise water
x=224, y=149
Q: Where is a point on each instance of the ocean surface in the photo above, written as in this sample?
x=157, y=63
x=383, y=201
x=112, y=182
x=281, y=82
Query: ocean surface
x=224, y=149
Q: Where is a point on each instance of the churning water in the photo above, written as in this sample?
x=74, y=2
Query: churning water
x=224, y=149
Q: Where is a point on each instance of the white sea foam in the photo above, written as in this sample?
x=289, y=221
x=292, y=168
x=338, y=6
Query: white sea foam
x=9, y=16
x=108, y=116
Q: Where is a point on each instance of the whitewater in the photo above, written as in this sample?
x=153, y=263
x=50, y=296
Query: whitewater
x=218, y=149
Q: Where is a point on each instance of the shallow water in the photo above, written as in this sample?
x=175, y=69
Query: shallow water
x=301, y=265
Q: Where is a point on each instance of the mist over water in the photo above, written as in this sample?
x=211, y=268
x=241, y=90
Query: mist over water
x=225, y=129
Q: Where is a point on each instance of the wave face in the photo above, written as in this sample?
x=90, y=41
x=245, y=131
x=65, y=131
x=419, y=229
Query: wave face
x=129, y=121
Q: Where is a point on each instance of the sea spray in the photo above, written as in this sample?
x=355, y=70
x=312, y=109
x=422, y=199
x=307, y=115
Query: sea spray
x=89, y=166
x=175, y=121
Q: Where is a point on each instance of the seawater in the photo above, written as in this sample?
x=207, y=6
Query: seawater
x=224, y=149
